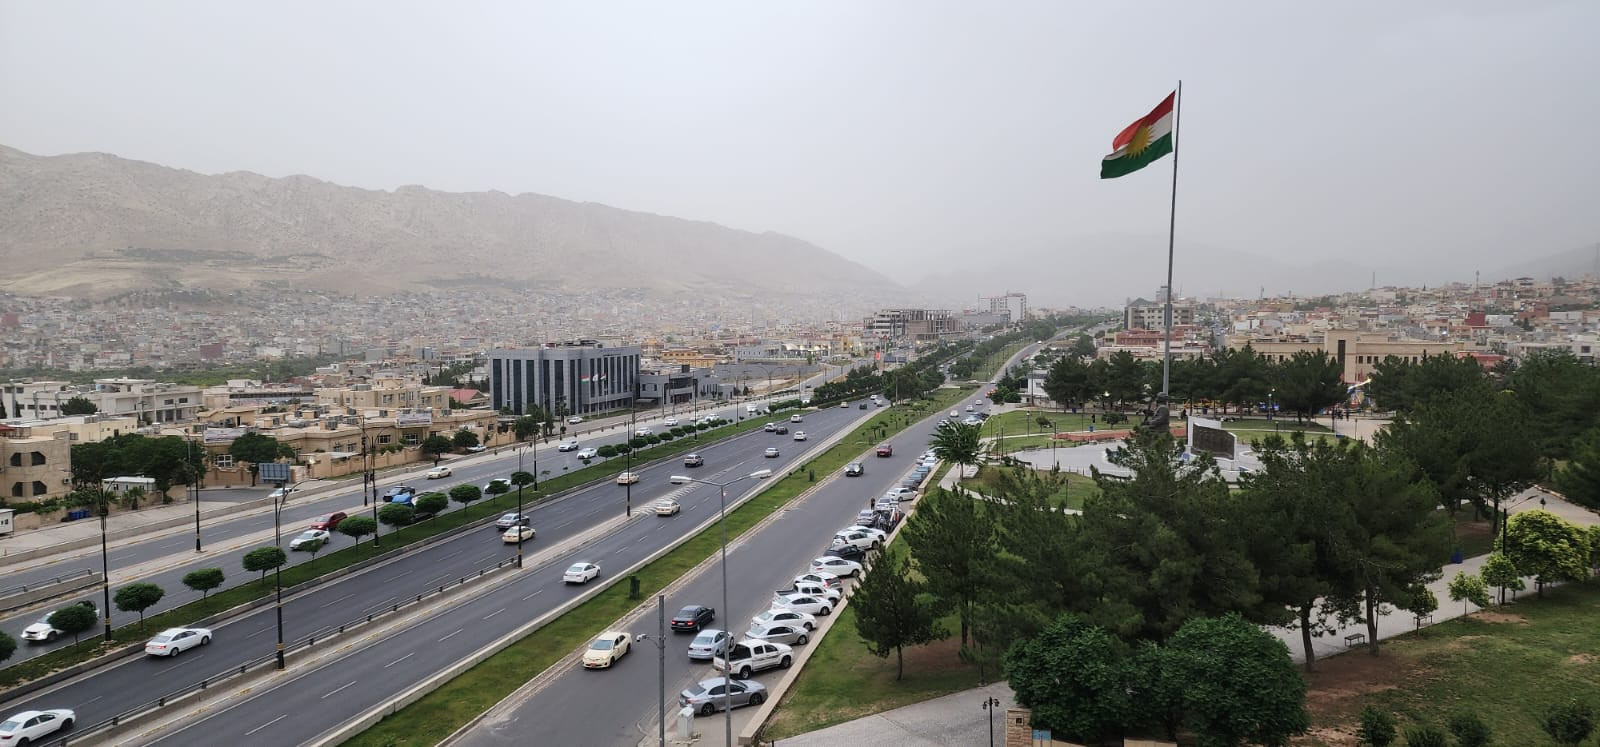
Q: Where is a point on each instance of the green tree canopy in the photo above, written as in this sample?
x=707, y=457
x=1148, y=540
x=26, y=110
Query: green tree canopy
x=464, y=439
x=1072, y=675
x=465, y=493
x=396, y=514
x=1579, y=479
x=949, y=537
x=1498, y=571
x=79, y=405
x=1400, y=385
x=1308, y=382
x=956, y=443
x=1240, y=686
x=430, y=504
x=257, y=448
x=138, y=598
x=203, y=580
x=436, y=445
x=8, y=645
x=1547, y=547
x=263, y=559
x=356, y=527
x=73, y=619
x=1465, y=588
x=890, y=613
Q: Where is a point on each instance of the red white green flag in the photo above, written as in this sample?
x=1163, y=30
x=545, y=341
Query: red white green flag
x=1147, y=139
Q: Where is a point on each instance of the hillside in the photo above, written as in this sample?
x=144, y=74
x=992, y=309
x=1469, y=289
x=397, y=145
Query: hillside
x=92, y=224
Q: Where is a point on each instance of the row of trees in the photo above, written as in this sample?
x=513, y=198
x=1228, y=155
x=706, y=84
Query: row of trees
x=1303, y=384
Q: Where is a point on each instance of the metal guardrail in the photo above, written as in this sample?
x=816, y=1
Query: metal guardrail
x=25, y=588
x=82, y=733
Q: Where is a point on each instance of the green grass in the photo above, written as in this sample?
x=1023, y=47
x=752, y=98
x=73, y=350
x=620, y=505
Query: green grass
x=1507, y=666
x=441, y=712
x=328, y=562
x=1071, y=495
x=844, y=681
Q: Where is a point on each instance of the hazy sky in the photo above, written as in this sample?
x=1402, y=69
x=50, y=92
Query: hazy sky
x=1452, y=133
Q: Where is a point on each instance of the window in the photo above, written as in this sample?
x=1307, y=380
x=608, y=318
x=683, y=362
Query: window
x=16, y=459
x=385, y=439
x=16, y=490
x=411, y=439
x=37, y=458
x=223, y=460
x=39, y=488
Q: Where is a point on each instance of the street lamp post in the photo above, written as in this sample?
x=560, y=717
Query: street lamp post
x=278, y=474
x=194, y=487
x=519, y=502
x=660, y=638
x=722, y=492
x=105, y=562
x=991, y=705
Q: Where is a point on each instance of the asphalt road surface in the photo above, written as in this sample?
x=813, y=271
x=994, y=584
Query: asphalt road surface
x=536, y=591
x=177, y=546
x=618, y=706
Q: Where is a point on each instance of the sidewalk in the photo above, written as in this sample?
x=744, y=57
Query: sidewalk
x=956, y=719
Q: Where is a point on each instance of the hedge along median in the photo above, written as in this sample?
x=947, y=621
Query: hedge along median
x=439, y=713
x=244, y=595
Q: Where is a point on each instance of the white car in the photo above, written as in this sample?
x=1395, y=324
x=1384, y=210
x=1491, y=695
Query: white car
x=174, y=641
x=836, y=566
x=44, y=631
x=438, y=472
x=771, y=452
x=642, y=432
x=785, y=615
x=517, y=535
x=280, y=493
x=570, y=444
x=588, y=453
x=803, y=603
x=769, y=427
x=28, y=726
x=795, y=418
x=799, y=435
x=955, y=414
x=823, y=578
x=581, y=573
x=901, y=494
x=665, y=507
x=606, y=649
x=748, y=657
x=574, y=420
x=669, y=422
x=879, y=533
x=627, y=478
x=972, y=421
x=855, y=539
x=304, y=540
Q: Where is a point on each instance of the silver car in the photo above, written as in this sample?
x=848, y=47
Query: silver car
x=794, y=635
x=710, y=642
x=707, y=696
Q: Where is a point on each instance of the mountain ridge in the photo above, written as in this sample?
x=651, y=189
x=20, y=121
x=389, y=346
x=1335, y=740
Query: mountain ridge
x=93, y=224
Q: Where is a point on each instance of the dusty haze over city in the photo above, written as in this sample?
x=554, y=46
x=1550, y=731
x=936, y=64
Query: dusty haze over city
x=950, y=146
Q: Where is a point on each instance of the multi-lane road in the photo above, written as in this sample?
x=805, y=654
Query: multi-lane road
x=618, y=706
x=115, y=689
x=165, y=557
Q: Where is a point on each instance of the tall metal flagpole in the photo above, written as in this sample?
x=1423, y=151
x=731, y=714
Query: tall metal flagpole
x=1172, y=232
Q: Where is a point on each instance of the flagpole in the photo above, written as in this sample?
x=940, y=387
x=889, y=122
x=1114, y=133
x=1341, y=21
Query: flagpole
x=1172, y=228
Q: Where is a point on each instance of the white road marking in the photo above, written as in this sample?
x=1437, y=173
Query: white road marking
x=451, y=635
x=397, y=661
x=530, y=596
x=265, y=725
x=259, y=632
x=336, y=601
x=341, y=687
x=496, y=612
x=451, y=555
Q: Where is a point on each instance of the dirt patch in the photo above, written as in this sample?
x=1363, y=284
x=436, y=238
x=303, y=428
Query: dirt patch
x=939, y=656
x=1465, y=641
x=1581, y=659
x=1491, y=616
x=1333, y=690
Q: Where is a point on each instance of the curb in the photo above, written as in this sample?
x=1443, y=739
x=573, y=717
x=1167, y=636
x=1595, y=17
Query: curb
x=417, y=692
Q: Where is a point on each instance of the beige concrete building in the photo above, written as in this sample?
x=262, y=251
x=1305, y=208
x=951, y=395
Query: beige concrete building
x=1358, y=353
x=387, y=393
x=35, y=461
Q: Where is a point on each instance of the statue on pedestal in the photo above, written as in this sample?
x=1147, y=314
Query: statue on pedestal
x=1159, y=418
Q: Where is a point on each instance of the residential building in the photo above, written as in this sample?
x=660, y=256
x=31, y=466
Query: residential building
x=917, y=325
x=35, y=460
x=1358, y=354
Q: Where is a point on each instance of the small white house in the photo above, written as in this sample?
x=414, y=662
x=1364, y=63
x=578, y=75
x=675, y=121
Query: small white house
x=120, y=485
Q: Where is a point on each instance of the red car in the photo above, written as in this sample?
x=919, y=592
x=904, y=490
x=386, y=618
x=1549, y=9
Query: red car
x=329, y=522
x=885, y=450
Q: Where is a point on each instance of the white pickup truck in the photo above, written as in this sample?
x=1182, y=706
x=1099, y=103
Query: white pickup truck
x=749, y=657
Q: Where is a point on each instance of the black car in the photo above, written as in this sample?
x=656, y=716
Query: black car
x=782, y=430
x=854, y=470
x=693, y=617
x=847, y=552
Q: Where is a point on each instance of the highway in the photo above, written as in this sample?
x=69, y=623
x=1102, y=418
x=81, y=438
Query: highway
x=618, y=706
x=169, y=555
x=137, y=680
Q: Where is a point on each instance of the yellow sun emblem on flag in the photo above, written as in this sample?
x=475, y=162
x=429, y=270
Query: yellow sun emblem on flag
x=1140, y=140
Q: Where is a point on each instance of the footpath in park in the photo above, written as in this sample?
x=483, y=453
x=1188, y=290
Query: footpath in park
x=958, y=719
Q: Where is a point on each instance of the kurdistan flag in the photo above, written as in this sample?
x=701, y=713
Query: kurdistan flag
x=1144, y=141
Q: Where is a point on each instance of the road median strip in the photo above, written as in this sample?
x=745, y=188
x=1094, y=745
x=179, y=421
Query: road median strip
x=436, y=715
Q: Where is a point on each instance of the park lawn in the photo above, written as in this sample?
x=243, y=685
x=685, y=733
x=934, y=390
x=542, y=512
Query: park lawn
x=1506, y=664
x=1072, y=494
x=844, y=681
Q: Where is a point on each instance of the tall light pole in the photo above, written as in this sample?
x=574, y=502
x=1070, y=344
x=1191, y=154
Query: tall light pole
x=633, y=430
x=991, y=705
x=105, y=562
x=519, y=503
x=278, y=474
x=660, y=638
x=194, y=487
x=722, y=492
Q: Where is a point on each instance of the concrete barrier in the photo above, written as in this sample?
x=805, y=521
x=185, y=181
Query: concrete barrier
x=49, y=591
